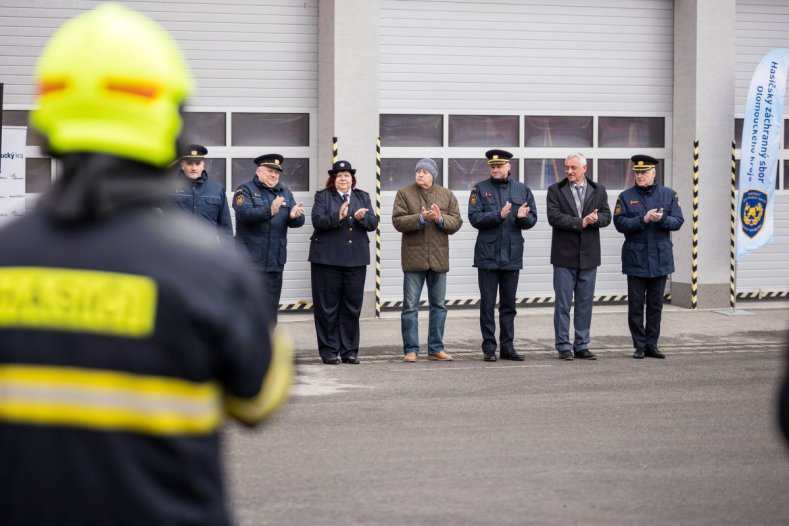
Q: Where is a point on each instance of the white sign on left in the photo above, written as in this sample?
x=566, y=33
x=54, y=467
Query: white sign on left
x=12, y=173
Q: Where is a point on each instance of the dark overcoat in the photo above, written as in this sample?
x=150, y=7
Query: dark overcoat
x=572, y=245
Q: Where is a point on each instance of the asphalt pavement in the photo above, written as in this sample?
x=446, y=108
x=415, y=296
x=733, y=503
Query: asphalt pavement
x=689, y=440
x=751, y=325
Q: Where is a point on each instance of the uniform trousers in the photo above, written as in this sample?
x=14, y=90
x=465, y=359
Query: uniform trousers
x=639, y=290
x=337, y=296
x=272, y=288
x=505, y=282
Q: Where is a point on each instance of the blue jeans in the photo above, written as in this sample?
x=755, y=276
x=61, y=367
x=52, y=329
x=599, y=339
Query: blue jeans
x=569, y=282
x=409, y=319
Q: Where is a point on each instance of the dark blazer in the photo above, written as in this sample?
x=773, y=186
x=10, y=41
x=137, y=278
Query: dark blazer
x=342, y=243
x=572, y=245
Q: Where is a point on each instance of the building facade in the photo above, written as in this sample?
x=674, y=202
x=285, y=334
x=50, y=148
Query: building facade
x=450, y=79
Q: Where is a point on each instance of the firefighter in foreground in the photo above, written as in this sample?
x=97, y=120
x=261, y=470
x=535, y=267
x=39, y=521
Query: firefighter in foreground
x=115, y=370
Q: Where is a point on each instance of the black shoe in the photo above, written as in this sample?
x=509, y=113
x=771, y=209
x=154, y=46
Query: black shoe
x=490, y=357
x=512, y=355
x=654, y=353
x=566, y=355
x=585, y=354
x=332, y=361
x=639, y=354
x=351, y=358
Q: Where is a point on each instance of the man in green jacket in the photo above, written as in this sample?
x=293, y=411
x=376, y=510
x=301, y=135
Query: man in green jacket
x=426, y=214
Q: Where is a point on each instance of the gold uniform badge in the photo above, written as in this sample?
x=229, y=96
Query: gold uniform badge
x=240, y=199
x=472, y=199
x=618, y=208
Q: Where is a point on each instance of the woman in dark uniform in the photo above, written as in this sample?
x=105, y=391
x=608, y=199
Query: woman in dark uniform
x=339, y=254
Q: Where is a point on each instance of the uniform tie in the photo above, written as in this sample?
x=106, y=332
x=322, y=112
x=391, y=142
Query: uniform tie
x=344, y=197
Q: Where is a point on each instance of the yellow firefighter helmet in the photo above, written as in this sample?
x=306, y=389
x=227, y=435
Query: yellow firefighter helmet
x=112, y=81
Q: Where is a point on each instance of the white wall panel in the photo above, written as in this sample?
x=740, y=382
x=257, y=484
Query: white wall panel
x=763, y=25
x=541, y=57
x=767, y=269
x=243, y=54
x=531, y=55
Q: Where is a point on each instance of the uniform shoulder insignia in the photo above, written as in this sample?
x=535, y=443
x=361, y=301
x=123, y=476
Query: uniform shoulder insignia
x=618, y=208
x=239, y=200
x=472, y=199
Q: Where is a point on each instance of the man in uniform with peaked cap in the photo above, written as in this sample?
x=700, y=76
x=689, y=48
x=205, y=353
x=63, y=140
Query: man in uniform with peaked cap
x=265, y=210
x=500, y=208
x=200, y=197
x=646, y=213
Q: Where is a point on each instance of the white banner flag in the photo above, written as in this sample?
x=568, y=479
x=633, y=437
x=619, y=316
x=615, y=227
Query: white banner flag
x=12, y=173
x=761, y=137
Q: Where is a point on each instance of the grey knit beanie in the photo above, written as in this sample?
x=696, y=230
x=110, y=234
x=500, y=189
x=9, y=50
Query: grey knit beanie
x=429, y=165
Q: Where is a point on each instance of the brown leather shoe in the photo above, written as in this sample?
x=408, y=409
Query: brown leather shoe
x=410, y=357
x=440, y=356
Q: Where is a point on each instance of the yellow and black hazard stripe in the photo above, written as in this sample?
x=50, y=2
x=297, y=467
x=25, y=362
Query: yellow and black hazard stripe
x=694, y=263
x=536, y=301
x=732, y=230
x=764, y=295
x=378, y=227
x=532, y=301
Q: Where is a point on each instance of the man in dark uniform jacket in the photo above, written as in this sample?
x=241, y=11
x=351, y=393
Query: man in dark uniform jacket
x=500, y=208
x=577, y=209
x=199, y=196
x=115, y=369
x=646, y=214
x=265, y=209
x=339, y=254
